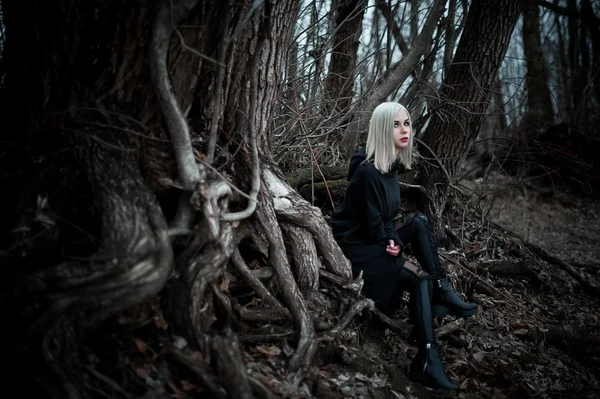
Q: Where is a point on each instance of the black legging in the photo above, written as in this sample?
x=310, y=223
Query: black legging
x=418, y=233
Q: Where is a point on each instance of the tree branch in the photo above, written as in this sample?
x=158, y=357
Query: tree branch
x=394, y=77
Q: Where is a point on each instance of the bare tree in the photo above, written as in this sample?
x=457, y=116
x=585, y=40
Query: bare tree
x=538, y=93
x=464, y=98
x=395, y=76
x=156, y=122
x=338, y=86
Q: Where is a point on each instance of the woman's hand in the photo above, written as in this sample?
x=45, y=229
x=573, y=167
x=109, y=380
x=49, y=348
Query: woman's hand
x=392, y=249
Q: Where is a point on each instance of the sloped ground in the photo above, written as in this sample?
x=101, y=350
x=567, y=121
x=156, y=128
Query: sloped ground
x=537, y=334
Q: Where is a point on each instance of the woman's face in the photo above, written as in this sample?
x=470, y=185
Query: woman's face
x=402, y=130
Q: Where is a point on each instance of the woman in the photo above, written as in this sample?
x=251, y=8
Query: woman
x=363, y=225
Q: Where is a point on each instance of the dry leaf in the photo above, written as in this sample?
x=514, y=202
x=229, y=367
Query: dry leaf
x=161, y=323
x=269, y=350
x=224, y=286
x=188, y=386
x=254, y=264
x=142, y=372
x=141, y=346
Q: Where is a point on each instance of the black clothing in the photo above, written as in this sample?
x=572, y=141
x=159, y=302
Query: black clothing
x=366, y=215
x=363, y=224
x=417, y=231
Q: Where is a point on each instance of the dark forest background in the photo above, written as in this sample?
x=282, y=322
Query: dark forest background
x=168, y=168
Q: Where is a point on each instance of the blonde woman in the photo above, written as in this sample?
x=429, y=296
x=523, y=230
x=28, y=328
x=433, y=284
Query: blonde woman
x=363, y=225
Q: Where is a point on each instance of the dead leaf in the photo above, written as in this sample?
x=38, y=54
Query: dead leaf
x=254, y=264
x=224, y=286
x=141, y=346
x=142, y=372
x=188, y=386
x=465, y=384
x=478, y=356
x=269, y=350
x=161, y=323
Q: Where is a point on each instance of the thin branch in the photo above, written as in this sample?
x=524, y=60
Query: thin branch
x=356, y=308
x=212, y=140
x=255, y=283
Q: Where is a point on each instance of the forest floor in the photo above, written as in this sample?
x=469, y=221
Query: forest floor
x=537, y=333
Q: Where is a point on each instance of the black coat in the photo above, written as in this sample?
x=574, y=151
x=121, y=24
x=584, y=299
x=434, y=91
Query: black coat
x=363, y=224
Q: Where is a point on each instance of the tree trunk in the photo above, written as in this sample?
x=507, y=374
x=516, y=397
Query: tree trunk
x=347, y=17
x=112, y=88
x=395, y=76
x=575, y=70
x=465, y=96
x=539, y=100
x=591, y=22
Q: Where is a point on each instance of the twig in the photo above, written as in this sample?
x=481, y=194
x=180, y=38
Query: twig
x=589, y=288
x=450, y=327
x=197, y=366
x=494, y=289
x=258, y=287
x=255, y=5
x=534, y=249
x=356, y=308
x=320, y=171
x=439, y=161
x=109, y=381
x=237, y=190
x=248, y=338
x=212, y=140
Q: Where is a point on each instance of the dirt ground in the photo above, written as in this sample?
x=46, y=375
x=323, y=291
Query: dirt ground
x=537, y=333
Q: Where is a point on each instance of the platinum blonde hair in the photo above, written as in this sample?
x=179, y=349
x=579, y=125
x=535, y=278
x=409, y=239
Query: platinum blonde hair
x=380, y=141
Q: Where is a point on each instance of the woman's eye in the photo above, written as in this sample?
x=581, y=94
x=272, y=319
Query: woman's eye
x=406, y=123
x=396, y=124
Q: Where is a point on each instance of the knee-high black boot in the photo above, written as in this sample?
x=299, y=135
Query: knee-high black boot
x=444, y=299
x=426, y=368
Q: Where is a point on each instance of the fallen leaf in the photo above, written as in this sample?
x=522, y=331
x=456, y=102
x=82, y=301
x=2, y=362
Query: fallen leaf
x=161, y=323
x=224, y=286
x=254, y=264
x=141, y=346
x=269, y=350
x=188, y=386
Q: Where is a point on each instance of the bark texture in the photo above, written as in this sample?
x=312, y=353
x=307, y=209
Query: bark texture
x=465, y=96
x=128, y=95
x=539, y=100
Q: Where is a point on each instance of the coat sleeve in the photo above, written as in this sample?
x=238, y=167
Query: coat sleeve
x=370, y=206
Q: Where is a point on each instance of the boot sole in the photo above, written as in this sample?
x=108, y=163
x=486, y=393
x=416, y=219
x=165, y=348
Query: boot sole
x=427, y=381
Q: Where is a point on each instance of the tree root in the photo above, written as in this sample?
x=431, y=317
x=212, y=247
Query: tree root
x=225, y=349
x=539, y=252
x=307, y=344
x=195, y=363
x=357, y=308
x=135, y=257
